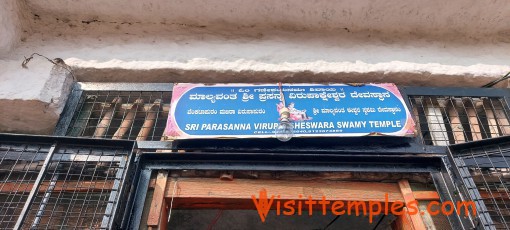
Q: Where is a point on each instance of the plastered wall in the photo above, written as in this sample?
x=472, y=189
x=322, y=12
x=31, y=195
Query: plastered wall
x=429, y=43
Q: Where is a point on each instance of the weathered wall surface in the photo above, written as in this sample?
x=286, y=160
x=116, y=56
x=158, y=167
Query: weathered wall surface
x=10, y=25
x=436, y=43
x=397, y=17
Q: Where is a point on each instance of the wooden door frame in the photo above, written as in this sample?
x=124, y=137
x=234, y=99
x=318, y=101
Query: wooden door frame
x=213, y=193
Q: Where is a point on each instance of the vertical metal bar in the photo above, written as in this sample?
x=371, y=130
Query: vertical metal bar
x=35, y=188
x=502, y=115
x=455, y=122
x=44, y=201
x=414, y=112
x=491, y=118
x=69, y=110
x=140, y=195
x=133, y=176
x=471, y=191
x=447, y=191
x=436, y=123
x=105, y=223
x=124, y=191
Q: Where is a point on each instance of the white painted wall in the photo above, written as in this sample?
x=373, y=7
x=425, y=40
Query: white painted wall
x=454, y=43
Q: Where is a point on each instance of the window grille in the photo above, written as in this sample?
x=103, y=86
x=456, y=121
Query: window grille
x=19, y=167
x=60, y=184
x=483, y=169
x=443, y=118
x=135, y=112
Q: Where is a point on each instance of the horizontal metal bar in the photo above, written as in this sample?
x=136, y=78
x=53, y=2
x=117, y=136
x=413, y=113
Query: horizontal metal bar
x=154, y=144
x=485, y=142
x=58, y=186
x=101, y=86
x=291, y=167
x=74, y=141
x=484, y=162
x=455, y=91
x=380, y=145
x=280, y=159
x=24, y=156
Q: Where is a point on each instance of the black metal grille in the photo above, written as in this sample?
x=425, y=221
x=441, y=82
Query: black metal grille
x=451, y=120
x=61, y=184
x=79, y=189
x=484, y=169
x=19, y=167
x=121, y=115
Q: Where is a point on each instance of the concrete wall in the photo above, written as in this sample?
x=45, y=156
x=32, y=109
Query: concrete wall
x=436, y=43
x=10, y=25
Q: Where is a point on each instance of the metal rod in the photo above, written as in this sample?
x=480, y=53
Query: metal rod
x=37, y=183
x=44, y=201
x=491, y=118
x=113, y=195
x=436, y=123
x=501, y=117
x=470, y=108
x=455, y=121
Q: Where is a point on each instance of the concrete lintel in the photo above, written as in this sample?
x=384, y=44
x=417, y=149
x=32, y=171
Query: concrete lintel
x=175, y=75
x=39, y=115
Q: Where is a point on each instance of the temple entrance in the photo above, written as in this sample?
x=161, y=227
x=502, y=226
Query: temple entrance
x=289, y=200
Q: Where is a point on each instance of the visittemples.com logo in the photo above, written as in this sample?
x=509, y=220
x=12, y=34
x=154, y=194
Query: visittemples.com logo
x=323, y=206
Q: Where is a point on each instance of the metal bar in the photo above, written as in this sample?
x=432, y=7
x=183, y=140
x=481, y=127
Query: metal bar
x=36, y=186
x=75, y=141
x=470, y=108
x=139, y=200
x=44, y=202
x=448, y=192
x=416, y=115
x=502, y=116
x=107, y=218
x=491, y=118
x=67, y=113
x=436, y=124
x=64, y=157
x=118, y=86
x=133, y=176
x=470, y=190
x=57, y=186
x=125, y=190
x=414, y=112
x=455, y=121
x=294, y=167
x=269, y=147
